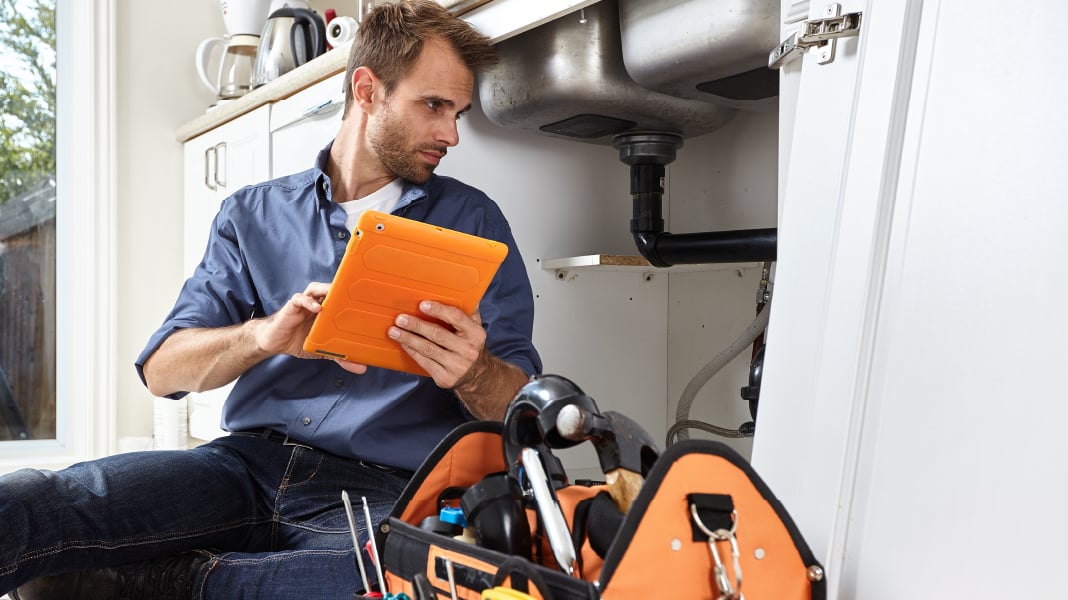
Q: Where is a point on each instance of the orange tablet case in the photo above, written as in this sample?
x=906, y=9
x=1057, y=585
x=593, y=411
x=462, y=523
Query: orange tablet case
x=391, y=264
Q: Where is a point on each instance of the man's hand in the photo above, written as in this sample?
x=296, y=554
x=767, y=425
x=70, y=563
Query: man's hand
x=458, y=359
x=446, y=355
x=194, y=360
x=284, y=332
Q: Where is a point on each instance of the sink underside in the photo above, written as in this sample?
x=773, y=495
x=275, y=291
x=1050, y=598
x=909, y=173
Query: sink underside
x=568, y=78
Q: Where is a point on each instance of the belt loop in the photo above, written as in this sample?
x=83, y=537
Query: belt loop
x=266, y=433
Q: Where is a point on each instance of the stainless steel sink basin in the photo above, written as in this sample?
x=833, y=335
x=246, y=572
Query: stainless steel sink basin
x=712, y=50
x=567, y=79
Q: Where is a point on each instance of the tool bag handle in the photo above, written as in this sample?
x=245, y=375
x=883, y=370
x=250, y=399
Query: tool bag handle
x=513, y=566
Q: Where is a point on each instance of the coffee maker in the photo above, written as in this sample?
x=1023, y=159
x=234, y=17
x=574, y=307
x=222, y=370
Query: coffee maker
x=236, y=51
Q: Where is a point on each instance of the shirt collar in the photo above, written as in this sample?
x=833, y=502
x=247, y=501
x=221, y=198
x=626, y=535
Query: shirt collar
x=414, y=192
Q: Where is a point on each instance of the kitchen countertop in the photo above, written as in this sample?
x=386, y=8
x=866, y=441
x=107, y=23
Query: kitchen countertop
x=288, y=84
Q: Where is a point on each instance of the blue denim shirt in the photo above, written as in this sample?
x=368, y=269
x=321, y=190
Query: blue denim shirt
x=268, y=242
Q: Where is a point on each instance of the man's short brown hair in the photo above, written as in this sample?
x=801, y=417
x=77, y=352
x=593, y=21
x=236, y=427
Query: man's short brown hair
x=392, y=35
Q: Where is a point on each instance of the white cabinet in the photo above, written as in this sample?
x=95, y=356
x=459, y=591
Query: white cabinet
x=217, y=164
x=304, y=123
x=273, y=140
x=914, y=382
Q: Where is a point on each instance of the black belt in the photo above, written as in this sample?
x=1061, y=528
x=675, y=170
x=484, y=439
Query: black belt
x=277, y=436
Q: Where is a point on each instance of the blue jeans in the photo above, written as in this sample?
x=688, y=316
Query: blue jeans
x=269, y=512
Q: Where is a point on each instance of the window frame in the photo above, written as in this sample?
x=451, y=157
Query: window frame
x=86, y=202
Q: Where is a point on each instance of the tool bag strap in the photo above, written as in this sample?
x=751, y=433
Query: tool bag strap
x=519, y=573
x=596, y=520
x=714, y=512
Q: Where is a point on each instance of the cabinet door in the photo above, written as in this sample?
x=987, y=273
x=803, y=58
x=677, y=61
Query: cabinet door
x=304, y=124
x=914, y=380
x=217, y=164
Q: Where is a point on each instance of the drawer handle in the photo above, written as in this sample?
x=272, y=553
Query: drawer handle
x=327, y=106
x=225, y=167
x=322, y=108
x=211, y=160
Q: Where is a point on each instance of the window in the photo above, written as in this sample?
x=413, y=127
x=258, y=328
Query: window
x=56, y=255
x=27, y=220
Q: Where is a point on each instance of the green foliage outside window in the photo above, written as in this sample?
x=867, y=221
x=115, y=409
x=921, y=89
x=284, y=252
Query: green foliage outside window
x=27, y=95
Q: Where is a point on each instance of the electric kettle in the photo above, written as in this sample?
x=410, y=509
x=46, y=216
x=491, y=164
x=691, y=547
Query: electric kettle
x=290, y=38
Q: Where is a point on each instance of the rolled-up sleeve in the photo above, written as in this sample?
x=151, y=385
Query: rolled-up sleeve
x=218, y=293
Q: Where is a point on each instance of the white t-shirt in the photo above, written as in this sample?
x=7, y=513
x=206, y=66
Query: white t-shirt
x=384, y=200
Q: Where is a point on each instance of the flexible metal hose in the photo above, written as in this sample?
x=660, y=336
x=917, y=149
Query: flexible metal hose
x=682, y=412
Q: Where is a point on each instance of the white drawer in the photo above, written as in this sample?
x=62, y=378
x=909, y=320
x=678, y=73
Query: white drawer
x=303, y=124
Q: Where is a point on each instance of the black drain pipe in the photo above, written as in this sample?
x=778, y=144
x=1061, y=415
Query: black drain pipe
x=648, y=153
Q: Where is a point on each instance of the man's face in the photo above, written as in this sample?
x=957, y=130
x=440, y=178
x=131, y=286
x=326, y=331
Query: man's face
x=416, y=124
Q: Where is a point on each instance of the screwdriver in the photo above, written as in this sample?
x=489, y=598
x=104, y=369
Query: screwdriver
x=452, y=578
x=377, y=558
x=355, y=540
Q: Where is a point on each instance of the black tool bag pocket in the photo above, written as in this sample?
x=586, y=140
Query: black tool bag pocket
x=411, y=553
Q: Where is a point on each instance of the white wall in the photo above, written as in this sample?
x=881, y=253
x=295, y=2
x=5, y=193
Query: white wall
x=158, y=91
x=723, y=180
x=632, y=344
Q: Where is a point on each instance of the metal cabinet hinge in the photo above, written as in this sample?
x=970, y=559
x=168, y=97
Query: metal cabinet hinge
x=817, y=33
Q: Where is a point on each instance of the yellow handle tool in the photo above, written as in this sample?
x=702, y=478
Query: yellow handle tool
x=501, y=593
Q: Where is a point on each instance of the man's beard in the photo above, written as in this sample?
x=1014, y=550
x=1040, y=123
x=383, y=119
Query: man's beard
x=388, y=141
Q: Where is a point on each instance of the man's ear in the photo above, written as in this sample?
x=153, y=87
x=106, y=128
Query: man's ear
x=365, y=86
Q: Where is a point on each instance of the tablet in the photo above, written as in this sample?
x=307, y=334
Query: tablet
x=390, y=265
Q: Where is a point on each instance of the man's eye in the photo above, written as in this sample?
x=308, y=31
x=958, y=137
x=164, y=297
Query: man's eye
x=433, y=105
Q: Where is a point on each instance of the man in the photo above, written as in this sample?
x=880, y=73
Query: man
x=258, y=513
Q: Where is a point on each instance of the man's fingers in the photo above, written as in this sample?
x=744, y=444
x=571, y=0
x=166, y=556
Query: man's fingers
x=317, y=290
x=301, y=302
x=447, y=351
x=436, y=342
x=352, y=367
x=443, y=312
x=285, y=330
x=310, y=299
x=443, y=367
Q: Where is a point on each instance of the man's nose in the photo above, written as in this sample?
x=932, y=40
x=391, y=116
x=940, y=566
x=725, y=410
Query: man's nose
x=449, y=132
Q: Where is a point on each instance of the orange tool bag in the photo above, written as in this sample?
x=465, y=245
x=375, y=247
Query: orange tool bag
x=702, y=525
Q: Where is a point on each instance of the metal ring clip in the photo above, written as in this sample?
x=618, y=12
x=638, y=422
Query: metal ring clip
x=723, y=583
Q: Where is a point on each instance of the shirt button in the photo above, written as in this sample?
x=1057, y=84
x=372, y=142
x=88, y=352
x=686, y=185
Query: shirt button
x=341, y=235
x=339, y=382
x=307, y=420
